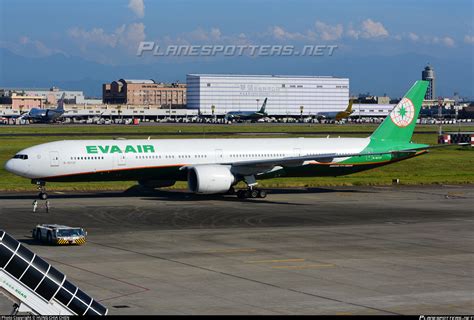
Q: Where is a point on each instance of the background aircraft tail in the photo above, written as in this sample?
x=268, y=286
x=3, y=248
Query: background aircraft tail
x=262, y=109
x=349, y=106
x=61, y=103
x=399, y=125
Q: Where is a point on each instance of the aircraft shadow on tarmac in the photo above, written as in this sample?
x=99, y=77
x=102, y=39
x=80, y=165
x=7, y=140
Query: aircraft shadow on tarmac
x=183, y=197
x=30, y=241
x=177, y=195
x=33, y=242
x=165, y=195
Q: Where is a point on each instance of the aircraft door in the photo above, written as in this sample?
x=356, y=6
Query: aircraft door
x=219, y=156
x=120, y=159
x=297, y=152
x=54, y=158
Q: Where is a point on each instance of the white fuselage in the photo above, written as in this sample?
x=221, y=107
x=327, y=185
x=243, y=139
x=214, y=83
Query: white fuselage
x=61, y=158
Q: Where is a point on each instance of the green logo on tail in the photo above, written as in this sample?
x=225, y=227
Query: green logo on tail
x=403, y=113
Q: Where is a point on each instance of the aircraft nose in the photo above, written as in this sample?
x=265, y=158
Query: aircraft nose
x=10, y=166
x=18, y=167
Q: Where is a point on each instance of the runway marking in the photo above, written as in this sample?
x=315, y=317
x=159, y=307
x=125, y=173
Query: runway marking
x=307, y=266
x=231, y=250
x=274, y=261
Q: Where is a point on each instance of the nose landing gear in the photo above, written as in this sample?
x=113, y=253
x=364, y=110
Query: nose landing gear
x=41, y=186
x=42, y=195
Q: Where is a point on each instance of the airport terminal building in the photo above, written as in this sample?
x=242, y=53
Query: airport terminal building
x=287, y=95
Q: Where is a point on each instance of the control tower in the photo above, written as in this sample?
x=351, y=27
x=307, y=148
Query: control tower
x=429, y=75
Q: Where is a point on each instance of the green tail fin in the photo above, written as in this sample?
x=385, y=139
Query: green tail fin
x=400, y=123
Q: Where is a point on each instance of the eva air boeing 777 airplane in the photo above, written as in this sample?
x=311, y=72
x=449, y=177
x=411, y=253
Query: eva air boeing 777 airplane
x=216, y=165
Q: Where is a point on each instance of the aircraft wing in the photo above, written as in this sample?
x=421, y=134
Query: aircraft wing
x=255, y=167
x=266, y=165
x=326, y=115
x=80, y=115
x=24, y=115
x=251, y=167
x=329, y=157
x=67, y=115
x=291, y=161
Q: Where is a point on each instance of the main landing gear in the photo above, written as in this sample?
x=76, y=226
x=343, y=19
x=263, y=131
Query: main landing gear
x=251, y=191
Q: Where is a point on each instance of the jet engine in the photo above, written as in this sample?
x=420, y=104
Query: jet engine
x=210, y=179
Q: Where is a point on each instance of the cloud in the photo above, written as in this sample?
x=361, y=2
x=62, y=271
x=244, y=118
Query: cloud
x=328, y=32
x=26, y=46
x=469, y=39
x=321, y=31
x=40, y=47
x=373, y=29
x=352, y=33
x=201, y=34
x=445, y=41
x=413, y=36
x=369, y=29
x=210, y=36
x=95, y=35
x=216, y=33
x=125, y=35
x=281, y=34
x=138, y=7
x=132, y=35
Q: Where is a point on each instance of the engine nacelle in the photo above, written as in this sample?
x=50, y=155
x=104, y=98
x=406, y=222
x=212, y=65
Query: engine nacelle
x=210, y=179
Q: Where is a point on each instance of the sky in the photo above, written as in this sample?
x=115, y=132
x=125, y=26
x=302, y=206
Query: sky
x=107, y=33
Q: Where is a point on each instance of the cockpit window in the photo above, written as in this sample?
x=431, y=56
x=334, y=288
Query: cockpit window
x=20, y=156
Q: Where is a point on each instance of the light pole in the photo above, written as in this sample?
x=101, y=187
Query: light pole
x=440, y=114
x=169, y=101
x=119, y=111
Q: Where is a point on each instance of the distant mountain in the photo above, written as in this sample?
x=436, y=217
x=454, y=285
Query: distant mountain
x=375, y=74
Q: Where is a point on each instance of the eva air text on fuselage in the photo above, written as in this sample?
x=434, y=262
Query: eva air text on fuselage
x=116, y=149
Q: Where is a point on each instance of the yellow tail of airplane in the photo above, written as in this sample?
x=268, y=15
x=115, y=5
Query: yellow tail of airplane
x=346, y=113
x=349, y=107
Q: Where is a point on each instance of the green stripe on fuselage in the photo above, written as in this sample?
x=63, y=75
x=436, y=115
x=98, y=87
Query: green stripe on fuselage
x=376, y=146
